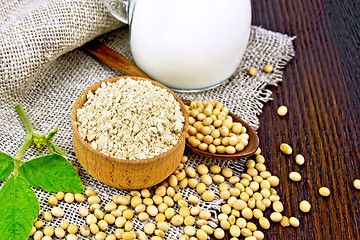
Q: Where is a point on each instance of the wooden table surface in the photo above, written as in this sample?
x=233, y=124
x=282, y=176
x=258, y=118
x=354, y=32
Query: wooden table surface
x=321, y=89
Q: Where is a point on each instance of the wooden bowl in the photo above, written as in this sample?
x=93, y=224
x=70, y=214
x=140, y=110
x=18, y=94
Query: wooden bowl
x=123, y=173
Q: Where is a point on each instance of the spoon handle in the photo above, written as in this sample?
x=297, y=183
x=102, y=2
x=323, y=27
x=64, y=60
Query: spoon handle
x=113, y=59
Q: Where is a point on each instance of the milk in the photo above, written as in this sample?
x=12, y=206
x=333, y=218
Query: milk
x=189, y=44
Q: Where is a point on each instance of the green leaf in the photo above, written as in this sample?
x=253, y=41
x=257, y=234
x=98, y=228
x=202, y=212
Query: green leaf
x=52, y=173
x=54, y=149
x=6, y=165
x=52, y=134
x=19, y=207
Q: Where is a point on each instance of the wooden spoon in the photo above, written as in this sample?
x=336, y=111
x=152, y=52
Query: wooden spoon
x=122, y=64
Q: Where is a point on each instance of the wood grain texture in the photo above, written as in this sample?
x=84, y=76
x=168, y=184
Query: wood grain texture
x=321, y=89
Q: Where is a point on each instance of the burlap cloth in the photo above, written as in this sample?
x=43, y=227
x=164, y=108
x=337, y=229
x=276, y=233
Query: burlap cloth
x=42, y=69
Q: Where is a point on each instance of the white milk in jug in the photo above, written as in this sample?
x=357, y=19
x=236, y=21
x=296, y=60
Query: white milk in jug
x=189, y=44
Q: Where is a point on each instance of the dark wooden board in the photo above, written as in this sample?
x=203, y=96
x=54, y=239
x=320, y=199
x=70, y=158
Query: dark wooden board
x=321, y=89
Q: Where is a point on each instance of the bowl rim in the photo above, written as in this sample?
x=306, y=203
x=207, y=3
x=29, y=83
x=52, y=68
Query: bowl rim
x=95, y=86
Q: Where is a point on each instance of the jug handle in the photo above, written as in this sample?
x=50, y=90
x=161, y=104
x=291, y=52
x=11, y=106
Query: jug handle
x=121, y=9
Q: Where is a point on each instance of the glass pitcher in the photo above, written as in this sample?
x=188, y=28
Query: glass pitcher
x=187, y=45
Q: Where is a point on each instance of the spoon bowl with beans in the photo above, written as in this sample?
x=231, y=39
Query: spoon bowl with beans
x=122, y=64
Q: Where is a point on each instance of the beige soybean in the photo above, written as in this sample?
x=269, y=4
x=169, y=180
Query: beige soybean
x=72, y=229
x=112, y=237
x=207, y=229
x=91, y=219
x=79, y=197
x=208, y=196
x=69, y=198
x=258, y=235
x=57, y=212
x=282, y=111
x=136, y=200
x=234, y=231
x=225, y=194
x=48, y=231
x=201, y=188
x=251, y=226
x=162, y=207
x=275, y=217
x=152, y=210
x=206, y=179
x=193, y=199
x=260, y=159
x=252, y=71
x=223, y=216
x=193, y=182
x=89, y=192
x=71, y=237
x=294, y=222
x=110, y=206
x=219, y=233
x=48, y=216
x=103, y=225
x=177, y=220
x=168, y=201
x=246, y=232
x=59, y=232
x=264, y=223
x=143, y=216
x=234, y=192
x=324, y=191
x=190, y=172
x=258, y=213
x=285, y=148
x=109, y=218
x=183, y=183
x=94, y=206
x=299, y=159
x=218, y=179
x=226, y=208
x=357, y=183
x=305, y=206
x=83, y=211
x=278, y=206
x=189, y=230
x=100, y=236
x=64, y=225
x=201, y=234
x=33, y=230
x=268, y=68
x=38, y=235
x=99, y=214
x=285, y=222
x=128, y=226
x=194, y=211
x=60, y=195
x=52, y=200
x=182, y=203
x=201, y=222
x=234, y=179
x=182, y=237
x=184, y=212
x=205, y=214
x=247, y=213
x=162, y=225
x=273, y=180
x=93, y=199
x=295, y=176
x=141, y=208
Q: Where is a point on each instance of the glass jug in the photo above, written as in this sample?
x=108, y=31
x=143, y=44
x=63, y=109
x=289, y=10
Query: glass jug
x=187, y=45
